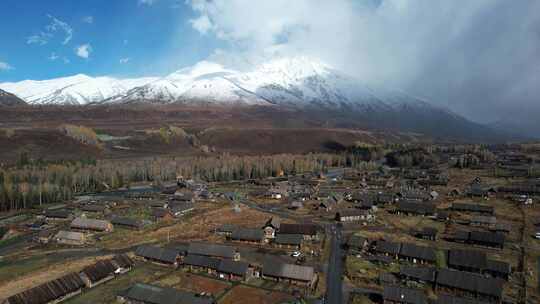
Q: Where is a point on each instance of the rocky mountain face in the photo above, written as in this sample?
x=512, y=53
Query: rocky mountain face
x=8, y=99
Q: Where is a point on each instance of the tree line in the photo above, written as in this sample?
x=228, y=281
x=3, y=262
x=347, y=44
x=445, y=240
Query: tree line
x=36, y=183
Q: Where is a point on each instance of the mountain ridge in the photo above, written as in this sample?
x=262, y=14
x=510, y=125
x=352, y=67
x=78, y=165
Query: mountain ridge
x=297, y=82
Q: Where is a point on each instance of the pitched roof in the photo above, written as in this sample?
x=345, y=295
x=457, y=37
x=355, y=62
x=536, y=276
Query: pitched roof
x=304, y=229
x=466, y=258
x=289, y=239
x=387, y=247
x=123, y=261
x=273, y=222
x=57, y=213
x=92, y=224
x=498, y=266
x=404, y=295
x=357, y=241
x=470, y=282
x=163, y=295
x=99, y=270
x=212, y=250
x=126, y=221
x=424, y=208
x=233, y=267
x=410, y=250
x=471, y=207
x=247, y=234
x=157, y=253
x=289, y=271
x=201, y=261
x=495, y=238
x=49, y=291
x=226, y=228
x=449, y=299
x=70, y=235
x=426, y=274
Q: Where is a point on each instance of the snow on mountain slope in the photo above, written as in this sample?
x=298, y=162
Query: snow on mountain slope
x=78, y=89
x=297, y=81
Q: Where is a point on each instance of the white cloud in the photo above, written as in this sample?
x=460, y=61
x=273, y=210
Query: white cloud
x=474, y=56
x=48, y=33
x=4, y=66
x=124, y=60
x=201, y=24
x=84, y=50
x=53, y=57
x=66, y=60
x=147, y=2
x=88, y=19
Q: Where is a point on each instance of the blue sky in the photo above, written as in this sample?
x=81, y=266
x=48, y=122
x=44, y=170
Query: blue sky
x=125, y=37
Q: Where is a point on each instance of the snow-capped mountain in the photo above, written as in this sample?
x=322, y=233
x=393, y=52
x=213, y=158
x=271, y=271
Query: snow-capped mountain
x=297, y=82
x=78, y=89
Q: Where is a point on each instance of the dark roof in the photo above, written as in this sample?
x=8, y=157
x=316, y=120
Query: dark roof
x=461, y=235
x=426, y=274
x=356, y=241
x=99, y=270
x=49, y=291
x=57, y=213
x=226, y=228
x=93, y=208
x=471, y=207
x=353, y=212
x=289, y=239
x=494, y=238
x=448, y=299
x=160, y=212
x=470, y=282
x=247, y=234
x=304, y=229
x=498, y=267
x=145, y=293
x=123, y=261
x=379, y=259
x=156, y=253
x=466, y=258
x=404, y=295
x=423, y=208
x=126, y=221
x=201, y=261
x=233, y=267
x=387, y=247
x=212, y=250
x=182, y=207
x=278, y=269
x=410, y=250
x=273, y=222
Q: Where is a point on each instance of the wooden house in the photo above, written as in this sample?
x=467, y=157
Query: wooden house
x=293, y=274
x=393, y=294
x=54, y=291
x=158, y=255
x=140, y=293
x=248, y=235
x=70, y=238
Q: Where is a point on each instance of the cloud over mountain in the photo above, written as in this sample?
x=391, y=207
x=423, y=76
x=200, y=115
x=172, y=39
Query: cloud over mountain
x=476, y=57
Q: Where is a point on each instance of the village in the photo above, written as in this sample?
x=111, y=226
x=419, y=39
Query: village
x=453, y=231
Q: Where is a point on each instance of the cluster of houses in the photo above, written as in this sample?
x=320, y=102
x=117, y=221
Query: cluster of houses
x=468, y=273
x=72, y=284
x=225, y=262
x=275, y=233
